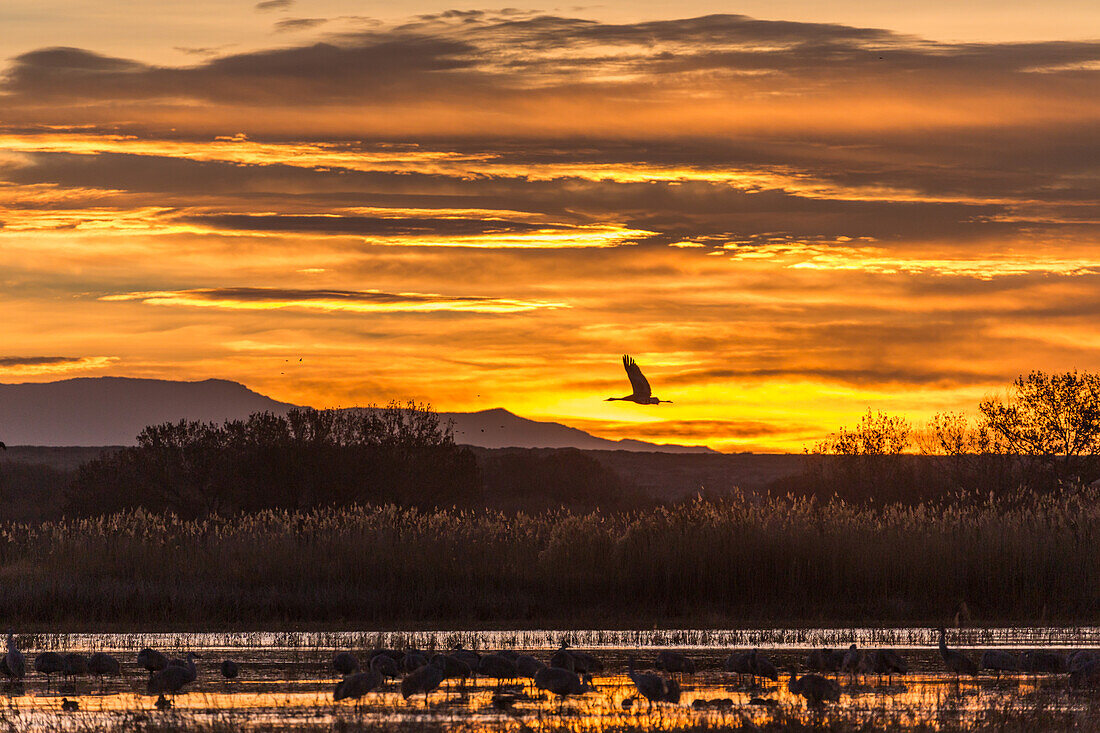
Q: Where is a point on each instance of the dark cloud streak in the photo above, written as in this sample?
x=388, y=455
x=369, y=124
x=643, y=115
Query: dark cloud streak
x=360, y=225
x=12, y=361
x=298, y=24
x=269, y=5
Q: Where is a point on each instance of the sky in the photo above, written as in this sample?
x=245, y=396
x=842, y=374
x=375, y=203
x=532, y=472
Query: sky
x=787, y=212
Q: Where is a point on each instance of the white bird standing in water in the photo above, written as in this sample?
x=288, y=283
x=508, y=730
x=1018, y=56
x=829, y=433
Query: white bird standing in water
x=642, y=394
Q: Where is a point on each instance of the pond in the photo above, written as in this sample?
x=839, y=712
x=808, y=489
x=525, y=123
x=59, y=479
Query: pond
x=287, y=680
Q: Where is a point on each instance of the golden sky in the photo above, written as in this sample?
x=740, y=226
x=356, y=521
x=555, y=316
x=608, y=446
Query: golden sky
x=786, y=216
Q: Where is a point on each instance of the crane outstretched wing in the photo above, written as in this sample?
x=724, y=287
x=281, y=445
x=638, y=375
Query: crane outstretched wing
x=637, y=379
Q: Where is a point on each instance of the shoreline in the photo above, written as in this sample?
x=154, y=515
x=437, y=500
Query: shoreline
x=904, y=637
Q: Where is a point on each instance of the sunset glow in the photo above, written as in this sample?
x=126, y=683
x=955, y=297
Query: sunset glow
x=786, y=219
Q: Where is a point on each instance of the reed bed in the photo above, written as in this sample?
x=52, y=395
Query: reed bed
x=703, y=564
x=322, y=643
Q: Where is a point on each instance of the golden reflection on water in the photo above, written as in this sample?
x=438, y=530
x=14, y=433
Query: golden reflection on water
x=295, y=690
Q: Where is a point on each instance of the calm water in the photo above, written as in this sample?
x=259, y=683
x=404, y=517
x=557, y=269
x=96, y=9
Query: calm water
x=286, y=681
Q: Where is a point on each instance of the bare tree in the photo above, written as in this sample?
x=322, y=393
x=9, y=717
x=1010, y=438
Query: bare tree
x=877, y=434
x=868, y=461
x=1052, y=418
x=968, y=454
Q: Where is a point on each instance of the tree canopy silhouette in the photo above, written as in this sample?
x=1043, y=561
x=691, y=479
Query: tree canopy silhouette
x=1053, y=419
x=400, y=454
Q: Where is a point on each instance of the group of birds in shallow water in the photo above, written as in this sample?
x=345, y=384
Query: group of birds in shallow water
x=568, y=672
x=165, y=675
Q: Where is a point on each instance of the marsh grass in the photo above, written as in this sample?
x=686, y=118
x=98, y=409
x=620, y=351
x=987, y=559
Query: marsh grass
x=1026, y=717
x=717, y=564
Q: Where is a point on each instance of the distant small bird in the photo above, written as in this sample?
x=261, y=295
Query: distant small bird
x=652, y=687
x=498, y=668
x=345, y=663
x=586, y=663
x=1040, y=662
x=470, y=658
x=815, y=689
x=675, y=662
x=356, y=685
x=825, y=660
x=562, y=682
x=643, y=393
x=75, y=664
x=886, y=662
x=762, y=667
x=102, y=664
x=956, y=661
x=172, y=678
x=1080, y=659
x=385, y=666
x=230, y=669
x=851, y=662
x=739, y=663
x=151, y=660
x=413, y=660
x=424, y=680
x=528, y=666
x=999, y=661
x=69, y=706
x=453, y=667
x=563, y=658
x=49, y=664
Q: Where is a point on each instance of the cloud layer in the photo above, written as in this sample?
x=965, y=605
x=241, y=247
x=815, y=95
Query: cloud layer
x=326, y=301
x=784, y=222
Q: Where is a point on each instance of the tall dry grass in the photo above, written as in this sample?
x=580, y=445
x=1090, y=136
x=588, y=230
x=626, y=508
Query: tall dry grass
x=731, y=563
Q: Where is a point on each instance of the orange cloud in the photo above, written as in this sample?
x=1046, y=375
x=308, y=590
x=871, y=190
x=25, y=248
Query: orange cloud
x=50, y=366
x=327, y=301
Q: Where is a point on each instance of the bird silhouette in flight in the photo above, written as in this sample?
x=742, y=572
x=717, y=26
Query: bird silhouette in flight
x=643, y=394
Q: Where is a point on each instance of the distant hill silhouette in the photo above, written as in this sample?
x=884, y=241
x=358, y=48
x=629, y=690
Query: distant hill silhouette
x=499, y=428
x=113, y=410
x=105, y=411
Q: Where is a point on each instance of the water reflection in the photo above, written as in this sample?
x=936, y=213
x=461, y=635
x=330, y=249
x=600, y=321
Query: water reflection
x=290, y=686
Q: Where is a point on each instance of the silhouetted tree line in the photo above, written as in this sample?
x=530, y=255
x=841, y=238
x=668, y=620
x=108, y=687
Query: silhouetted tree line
x=399, y=454
x=1043, y=436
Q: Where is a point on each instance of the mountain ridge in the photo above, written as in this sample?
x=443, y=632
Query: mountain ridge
x=98, y=411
